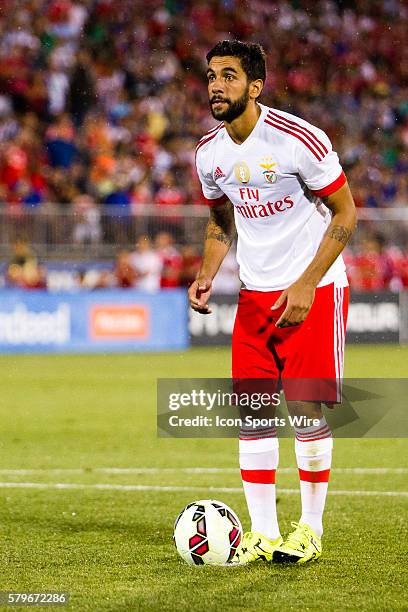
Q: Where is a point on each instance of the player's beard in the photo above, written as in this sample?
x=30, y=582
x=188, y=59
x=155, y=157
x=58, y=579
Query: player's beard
x=233, y=110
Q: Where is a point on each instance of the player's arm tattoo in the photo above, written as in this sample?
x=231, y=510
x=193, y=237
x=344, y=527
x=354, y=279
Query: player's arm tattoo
x=221, y=224
x=339, y=233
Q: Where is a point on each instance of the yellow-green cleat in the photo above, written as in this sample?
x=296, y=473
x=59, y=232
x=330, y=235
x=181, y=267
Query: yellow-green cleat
x=301, y=545
x=255, y=547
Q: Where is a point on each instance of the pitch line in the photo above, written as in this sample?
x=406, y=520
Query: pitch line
x=189, y=470
x=117, y=487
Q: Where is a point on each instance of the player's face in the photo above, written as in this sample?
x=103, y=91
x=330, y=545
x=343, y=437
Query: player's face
x=228, y=88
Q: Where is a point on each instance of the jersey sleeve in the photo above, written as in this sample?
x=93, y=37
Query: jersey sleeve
x=212, y=193
x=318, y=165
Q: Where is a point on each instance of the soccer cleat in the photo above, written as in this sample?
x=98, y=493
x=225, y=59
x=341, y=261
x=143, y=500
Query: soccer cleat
x=255, y=547
x=300, y=546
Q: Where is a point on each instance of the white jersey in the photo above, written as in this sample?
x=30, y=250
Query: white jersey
x=149, y=265
x=275, y=180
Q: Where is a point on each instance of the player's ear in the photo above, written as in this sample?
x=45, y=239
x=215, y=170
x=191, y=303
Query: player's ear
x=255, y=88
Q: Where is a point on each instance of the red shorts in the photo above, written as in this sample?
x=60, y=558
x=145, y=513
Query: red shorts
x=313, y=349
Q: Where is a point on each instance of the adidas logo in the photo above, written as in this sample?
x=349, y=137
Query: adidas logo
x=218, y=173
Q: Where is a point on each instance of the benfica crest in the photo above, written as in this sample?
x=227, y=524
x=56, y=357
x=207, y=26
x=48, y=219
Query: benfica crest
x=269, y=172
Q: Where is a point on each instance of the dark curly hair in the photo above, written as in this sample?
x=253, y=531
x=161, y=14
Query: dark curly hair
x=252, y=57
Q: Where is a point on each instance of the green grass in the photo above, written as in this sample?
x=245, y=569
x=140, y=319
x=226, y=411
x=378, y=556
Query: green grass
x=112, y=549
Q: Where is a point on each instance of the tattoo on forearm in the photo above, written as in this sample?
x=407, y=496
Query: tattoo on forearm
x=340, y=233
x=221, y=224
x=215, y=232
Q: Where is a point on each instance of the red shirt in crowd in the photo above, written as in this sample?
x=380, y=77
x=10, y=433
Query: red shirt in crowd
x=172, y=267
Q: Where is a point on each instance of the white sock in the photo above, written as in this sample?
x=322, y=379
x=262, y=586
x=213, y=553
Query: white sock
x=258, y=460
x=313, y=447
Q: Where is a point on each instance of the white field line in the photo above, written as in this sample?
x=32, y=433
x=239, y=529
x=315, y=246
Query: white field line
x=117, y=487
x=188, y=470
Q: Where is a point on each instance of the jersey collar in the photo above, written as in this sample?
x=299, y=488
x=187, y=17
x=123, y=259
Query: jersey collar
x=249, y=139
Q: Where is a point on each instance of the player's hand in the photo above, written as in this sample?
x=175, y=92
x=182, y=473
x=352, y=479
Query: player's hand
x=199, y=294
x=299, y=299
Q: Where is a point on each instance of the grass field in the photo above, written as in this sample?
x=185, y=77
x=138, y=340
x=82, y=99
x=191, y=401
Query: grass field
x=69, y=420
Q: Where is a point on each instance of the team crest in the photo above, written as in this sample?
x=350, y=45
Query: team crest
x=241, y=171
x=269, y=172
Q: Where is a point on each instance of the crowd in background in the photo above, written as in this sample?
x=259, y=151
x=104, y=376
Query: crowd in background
x=102, y=103
x=158, y=264
x=151, y=265
x=108, y=97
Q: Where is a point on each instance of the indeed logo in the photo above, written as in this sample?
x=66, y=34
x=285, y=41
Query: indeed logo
x=25, y=327
x=254, y=211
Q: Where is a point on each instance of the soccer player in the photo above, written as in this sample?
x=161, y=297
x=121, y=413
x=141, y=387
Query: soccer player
x=275, y=180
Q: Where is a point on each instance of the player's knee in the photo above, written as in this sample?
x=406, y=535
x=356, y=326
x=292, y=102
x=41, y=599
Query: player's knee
x=309, y=410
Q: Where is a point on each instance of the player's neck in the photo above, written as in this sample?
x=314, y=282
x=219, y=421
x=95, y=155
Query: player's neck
x=241, y=128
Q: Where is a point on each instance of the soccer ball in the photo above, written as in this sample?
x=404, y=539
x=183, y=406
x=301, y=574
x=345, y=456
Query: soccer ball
x=207, y=532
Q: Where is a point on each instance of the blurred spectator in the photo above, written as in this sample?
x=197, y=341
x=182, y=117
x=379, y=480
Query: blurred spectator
x=33, y=276
x=125, y=275
x=169, y=193
x=119, y=197
x=21, y=253
x=401, y=268
x=190, y=265
x=372, y=267
x=29, y=194
x=87, y=229
x=147, y=265
x=60, y=142
x=118, y=209
x=14, y=165
x=141, y=194
x=172, y=262
x=81, y=96
x=23, y=271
